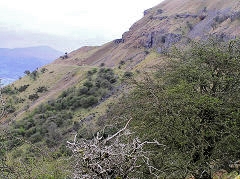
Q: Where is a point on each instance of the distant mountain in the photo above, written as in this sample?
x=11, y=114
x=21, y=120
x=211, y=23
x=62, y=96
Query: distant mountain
x=13, y=62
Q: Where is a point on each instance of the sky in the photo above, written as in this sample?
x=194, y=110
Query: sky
x=67, y=25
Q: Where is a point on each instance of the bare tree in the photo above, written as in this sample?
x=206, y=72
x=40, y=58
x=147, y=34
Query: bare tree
x=116, y=156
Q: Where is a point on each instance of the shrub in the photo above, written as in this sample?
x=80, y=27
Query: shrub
x=88, y=84
x=33, y=96
x=27, y=72
x=34, y=74
x=121, y=62
x=128, y=74
x=43, y=70
x=36, y=137
x=42, y=89
x=9, y=90
x=10, y=108
x=23, y=88
x=83, y=90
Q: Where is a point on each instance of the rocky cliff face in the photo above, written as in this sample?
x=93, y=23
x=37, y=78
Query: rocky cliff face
x=169, y=22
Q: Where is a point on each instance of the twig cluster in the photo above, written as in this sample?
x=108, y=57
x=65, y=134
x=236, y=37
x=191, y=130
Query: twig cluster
x=117, y=156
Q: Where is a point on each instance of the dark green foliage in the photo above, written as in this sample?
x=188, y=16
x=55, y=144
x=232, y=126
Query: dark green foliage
x=91, y=72
x=9, y=90
x=192, y=107
x=83, y=90
x=27, y=72
x=23, y=88
x=89, y=94
x=51, y=121
x=43, y=70
x=41, y=89
x=128, y=74
x=44, y=125
x=122, y=62
x=10, y=108
x=34, y=75
x=33, y=97
x=88, y=84
x=11, y=102
x=31, y=162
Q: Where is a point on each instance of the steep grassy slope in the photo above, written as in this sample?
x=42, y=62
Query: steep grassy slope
x=75, y=92
x=167, y=24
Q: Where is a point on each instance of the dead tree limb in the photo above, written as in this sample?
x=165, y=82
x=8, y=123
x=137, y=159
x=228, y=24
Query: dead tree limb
x=118, y=156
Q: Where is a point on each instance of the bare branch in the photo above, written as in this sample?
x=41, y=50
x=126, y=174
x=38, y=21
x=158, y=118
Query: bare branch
x=120, y=131
x=119, y=155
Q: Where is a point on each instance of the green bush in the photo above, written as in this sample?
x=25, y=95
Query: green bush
x=88, y=84
x=41, y=89
x=9, y=90
x=34, y=75
x=9, y=108
x=33, y=97
x=192, y=107
x=43, y=70
x=128, y=74
x=83, y=90
x=23, y=88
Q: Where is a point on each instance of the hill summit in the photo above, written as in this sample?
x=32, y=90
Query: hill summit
x=169, y=23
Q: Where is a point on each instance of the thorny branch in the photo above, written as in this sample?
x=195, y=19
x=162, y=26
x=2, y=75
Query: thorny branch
x=117, y=156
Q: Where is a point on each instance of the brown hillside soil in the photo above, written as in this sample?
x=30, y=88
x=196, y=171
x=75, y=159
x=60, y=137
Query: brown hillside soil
x=110, y=54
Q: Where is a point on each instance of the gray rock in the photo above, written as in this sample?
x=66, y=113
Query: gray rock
x=118, y=41
x=160, y=38
x=147, y=11
x=184, y=16
x=159, y=11
x=158, y=17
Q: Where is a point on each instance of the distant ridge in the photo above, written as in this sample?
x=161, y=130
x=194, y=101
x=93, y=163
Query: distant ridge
x=13, y=62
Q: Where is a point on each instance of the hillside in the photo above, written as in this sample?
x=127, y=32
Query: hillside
x=160, y=28
x=15, y=61
x=186, y=98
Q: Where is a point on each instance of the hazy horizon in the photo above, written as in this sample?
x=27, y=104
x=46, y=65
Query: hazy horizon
x=67, y=26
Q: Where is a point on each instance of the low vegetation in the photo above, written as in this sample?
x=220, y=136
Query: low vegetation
x=188, y=108
x=49, y=122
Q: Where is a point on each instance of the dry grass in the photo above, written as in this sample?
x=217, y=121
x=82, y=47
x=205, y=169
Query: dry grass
x=56, y=79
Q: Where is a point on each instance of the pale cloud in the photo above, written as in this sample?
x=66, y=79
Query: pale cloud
x=75, y=20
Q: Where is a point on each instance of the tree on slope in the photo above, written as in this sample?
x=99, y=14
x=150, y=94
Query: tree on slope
x=192, y=107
